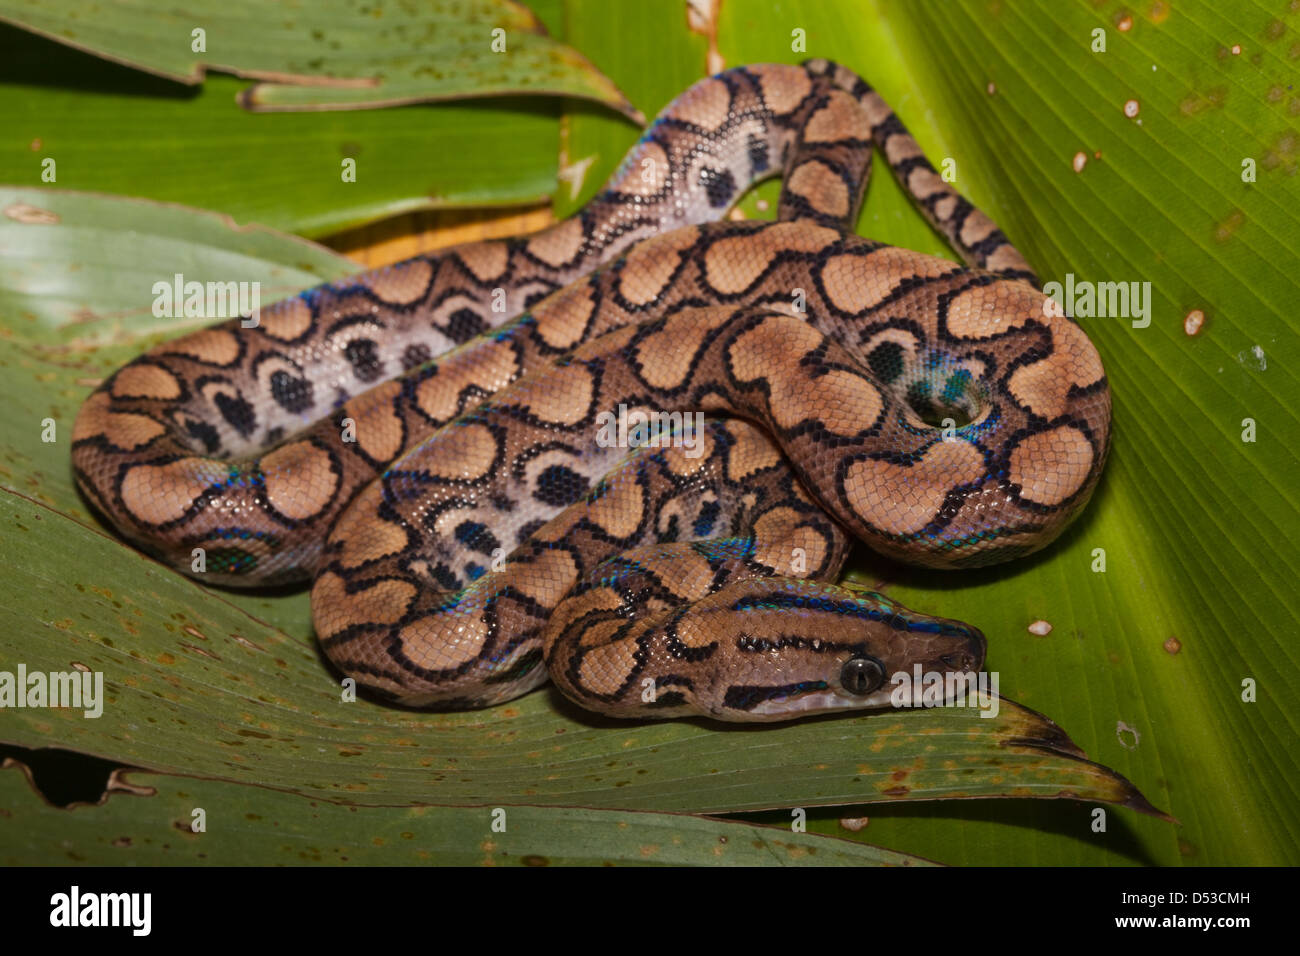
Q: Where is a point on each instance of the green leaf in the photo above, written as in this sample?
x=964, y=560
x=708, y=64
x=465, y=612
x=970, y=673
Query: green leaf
x=195, y=684
x=1198, y=527
x=110, y=129
x=211, y=684
x=60, y=251
x=341, y=55
x=152, y=824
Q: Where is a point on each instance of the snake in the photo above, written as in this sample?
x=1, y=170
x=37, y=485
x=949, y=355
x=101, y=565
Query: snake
x=629, y=454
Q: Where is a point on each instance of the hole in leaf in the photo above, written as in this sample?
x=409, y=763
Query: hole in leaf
x=62, y=777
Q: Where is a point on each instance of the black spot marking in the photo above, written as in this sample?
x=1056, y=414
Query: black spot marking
x=205, y=433
x=363, y=356
x=559, y=486
x=476, y=536
x=291, y=393
x=672, y=698
x=446, y=577
x=759, y=160
x=464, y=324
x=705, y=520
x=415, y=356
x=886, y=361
x=237, y=411
x=719, y=185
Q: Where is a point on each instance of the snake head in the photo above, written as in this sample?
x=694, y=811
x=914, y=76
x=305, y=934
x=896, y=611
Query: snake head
x=797, y=648
x=756, y=649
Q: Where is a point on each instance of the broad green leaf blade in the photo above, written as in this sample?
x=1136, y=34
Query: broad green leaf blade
x=252, y=826
x=99, y=127
x=60, y=251
x=178, y=657
x=332, y=54
x=193, y=684
x=1145, y=661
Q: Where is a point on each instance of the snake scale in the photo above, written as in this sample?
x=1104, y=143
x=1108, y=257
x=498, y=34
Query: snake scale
x=429, y=442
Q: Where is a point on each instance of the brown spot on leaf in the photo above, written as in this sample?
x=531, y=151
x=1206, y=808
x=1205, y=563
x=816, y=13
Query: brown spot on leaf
x=31, y=215
x=1195, y=103
x=1224, y=229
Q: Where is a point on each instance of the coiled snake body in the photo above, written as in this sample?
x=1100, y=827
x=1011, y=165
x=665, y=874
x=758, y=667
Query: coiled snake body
x=432, y=443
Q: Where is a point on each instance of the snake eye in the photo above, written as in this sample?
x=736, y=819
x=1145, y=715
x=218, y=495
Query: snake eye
x=862, y=675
